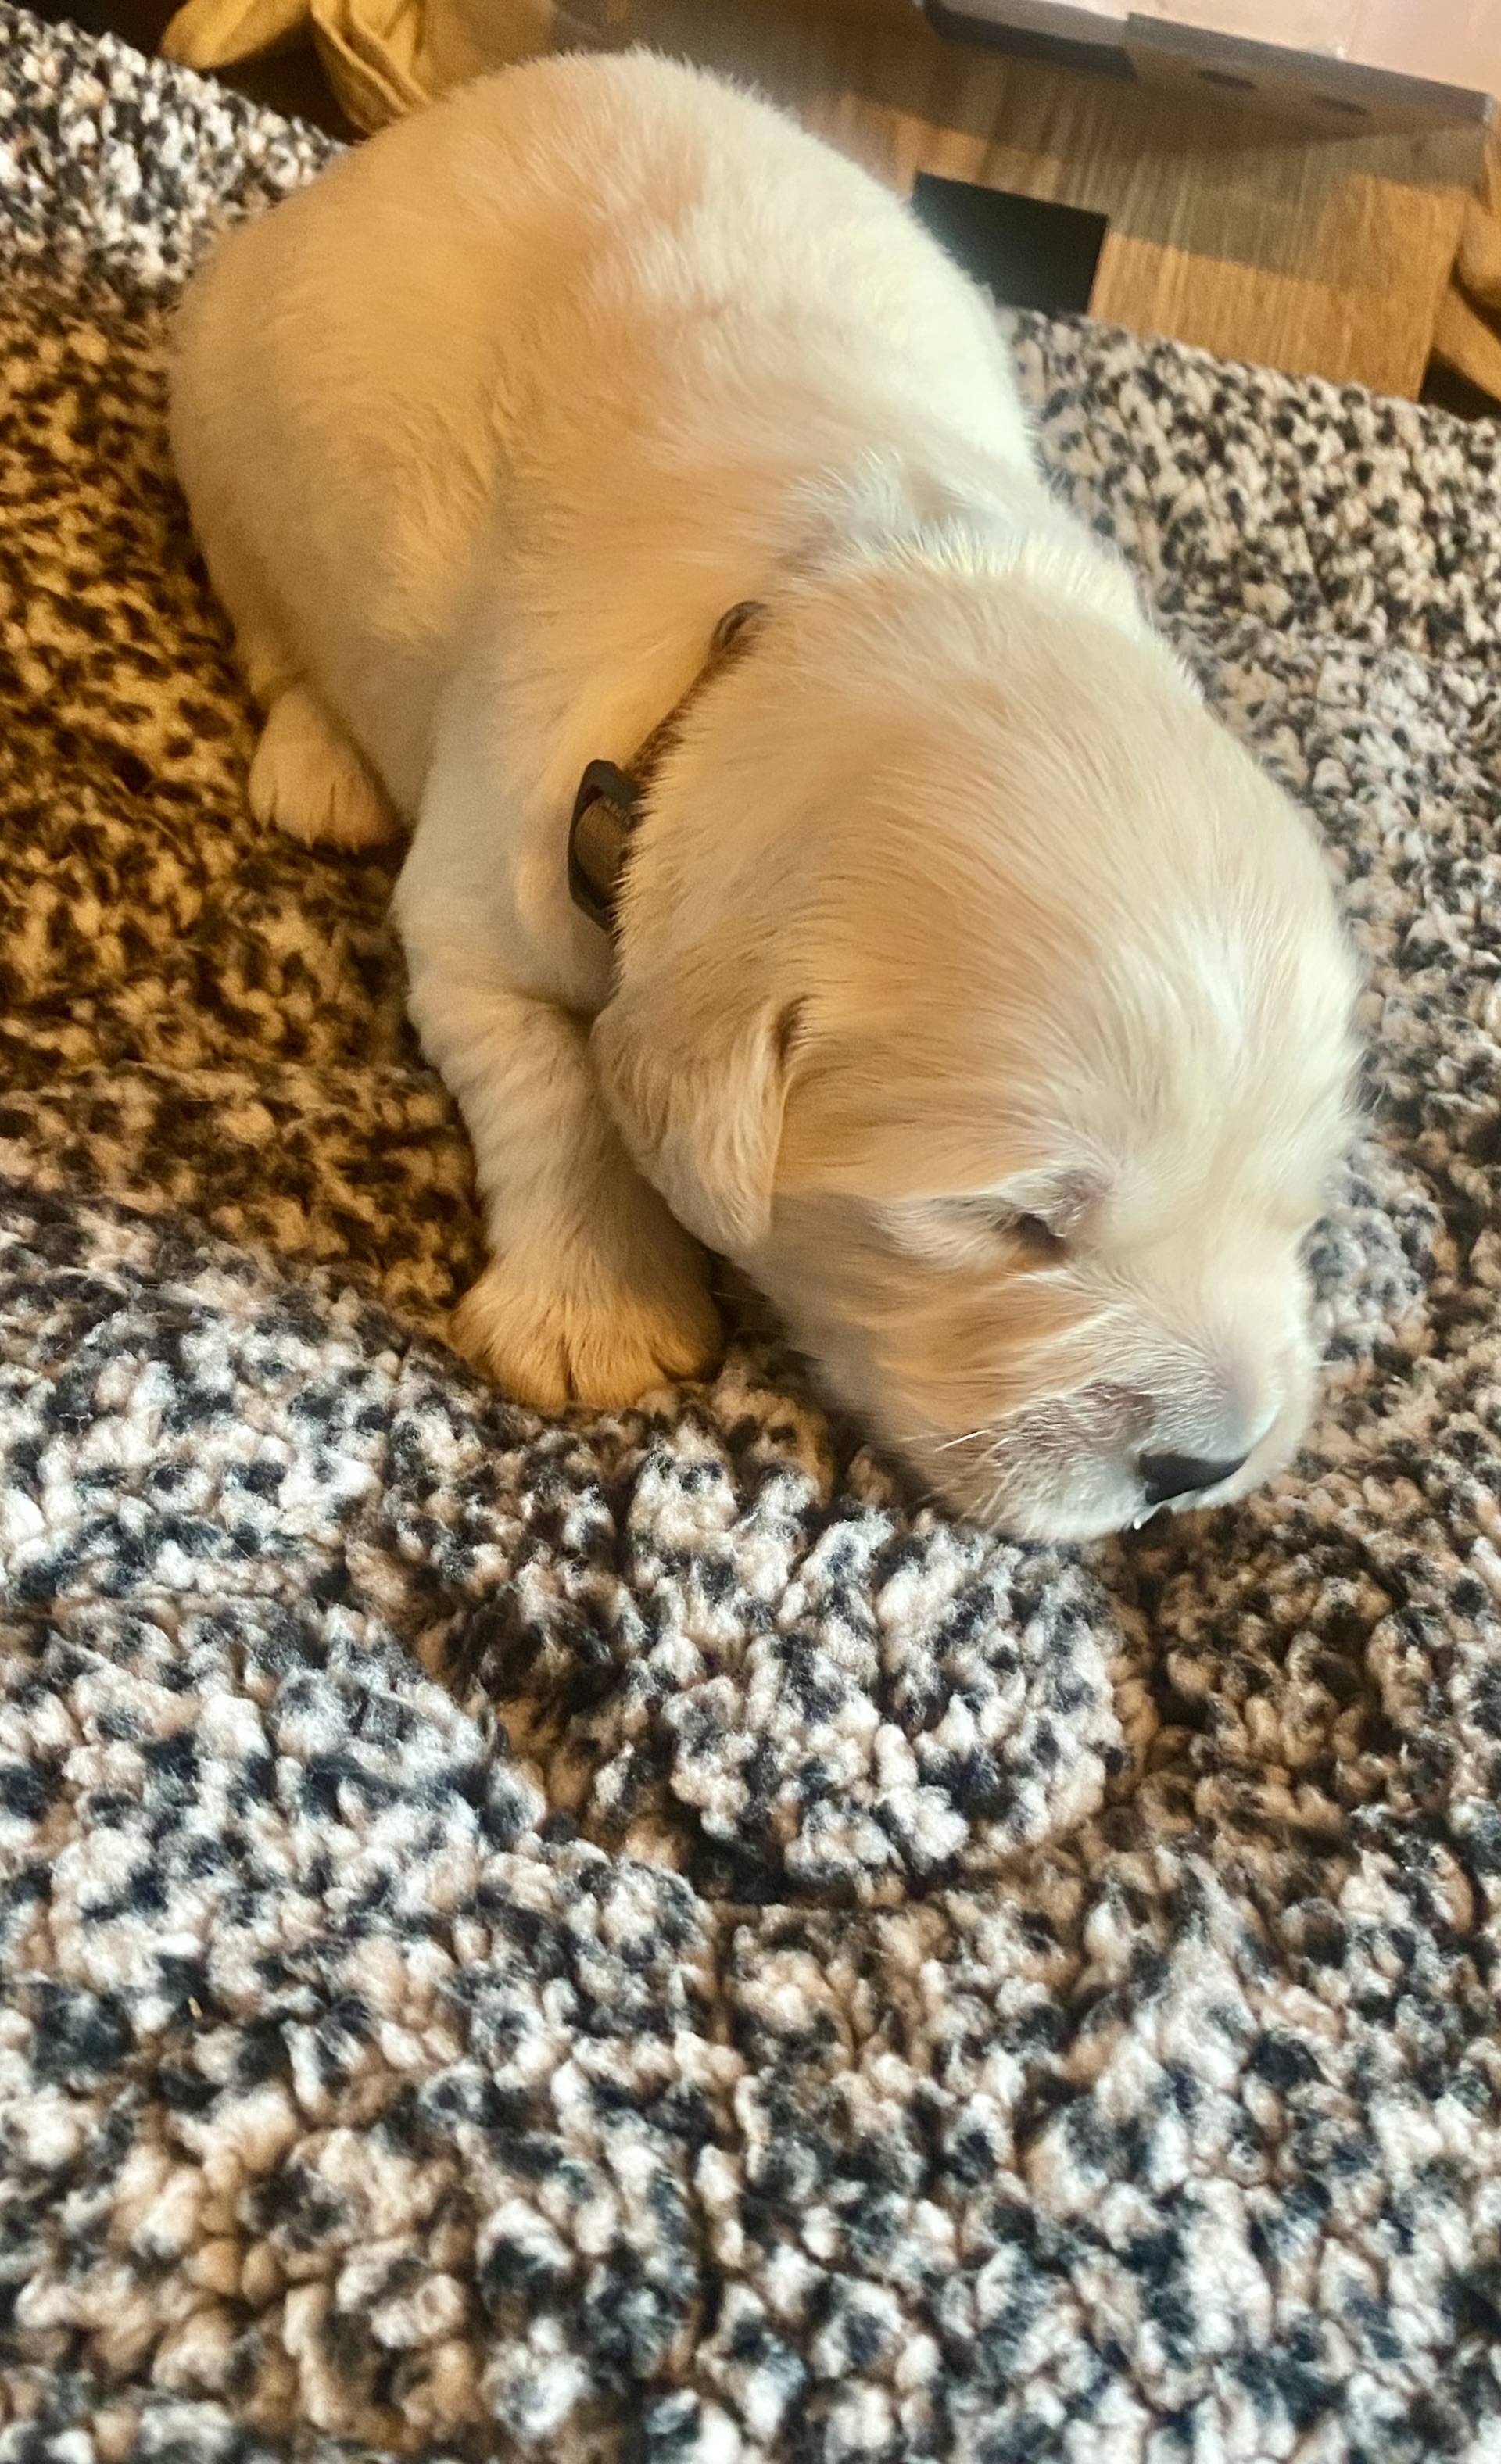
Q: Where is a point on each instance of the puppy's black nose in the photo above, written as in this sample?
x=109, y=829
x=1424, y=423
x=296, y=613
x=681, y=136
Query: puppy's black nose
x=1165, y=1477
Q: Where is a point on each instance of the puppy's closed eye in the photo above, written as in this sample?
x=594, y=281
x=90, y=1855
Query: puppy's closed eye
x=1042, y=1244
x=1033, y=1237
x=962, y=1231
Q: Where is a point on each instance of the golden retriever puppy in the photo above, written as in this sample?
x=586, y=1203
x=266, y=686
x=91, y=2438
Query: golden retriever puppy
x=923, y=946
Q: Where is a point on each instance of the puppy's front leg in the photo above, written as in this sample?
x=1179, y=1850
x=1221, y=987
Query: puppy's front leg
x=594, y=1293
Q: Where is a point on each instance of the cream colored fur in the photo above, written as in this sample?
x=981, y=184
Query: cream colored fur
x=975, y=993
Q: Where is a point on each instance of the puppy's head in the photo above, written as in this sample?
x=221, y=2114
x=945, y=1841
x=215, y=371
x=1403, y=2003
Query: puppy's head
x=983, y=1000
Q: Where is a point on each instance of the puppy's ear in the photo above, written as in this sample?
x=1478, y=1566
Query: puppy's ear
x=699, y=1103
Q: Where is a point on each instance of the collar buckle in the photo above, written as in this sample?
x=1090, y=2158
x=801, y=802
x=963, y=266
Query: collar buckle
x=606, y=811
x=607, y=805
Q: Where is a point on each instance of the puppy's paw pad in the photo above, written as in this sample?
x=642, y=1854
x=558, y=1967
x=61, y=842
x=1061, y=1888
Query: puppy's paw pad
x=547, y=1347
x=307, y=780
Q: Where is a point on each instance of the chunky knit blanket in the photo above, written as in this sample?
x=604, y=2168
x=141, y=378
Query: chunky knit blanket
x=625, y=1941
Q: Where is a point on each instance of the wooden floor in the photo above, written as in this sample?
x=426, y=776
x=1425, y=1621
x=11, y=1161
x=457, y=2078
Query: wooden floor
x=1257, y=239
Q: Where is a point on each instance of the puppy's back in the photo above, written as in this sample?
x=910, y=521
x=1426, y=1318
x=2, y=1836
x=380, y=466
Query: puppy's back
x=579, y=339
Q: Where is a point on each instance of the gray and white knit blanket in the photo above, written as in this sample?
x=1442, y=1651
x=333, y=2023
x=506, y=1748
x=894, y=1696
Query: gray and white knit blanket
x=625, y=1941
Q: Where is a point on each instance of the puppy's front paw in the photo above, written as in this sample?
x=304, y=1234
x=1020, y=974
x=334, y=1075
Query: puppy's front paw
x=307, y=780
x=556, y=1338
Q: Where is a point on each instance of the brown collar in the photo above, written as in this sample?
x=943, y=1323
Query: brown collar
x=608, y=803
